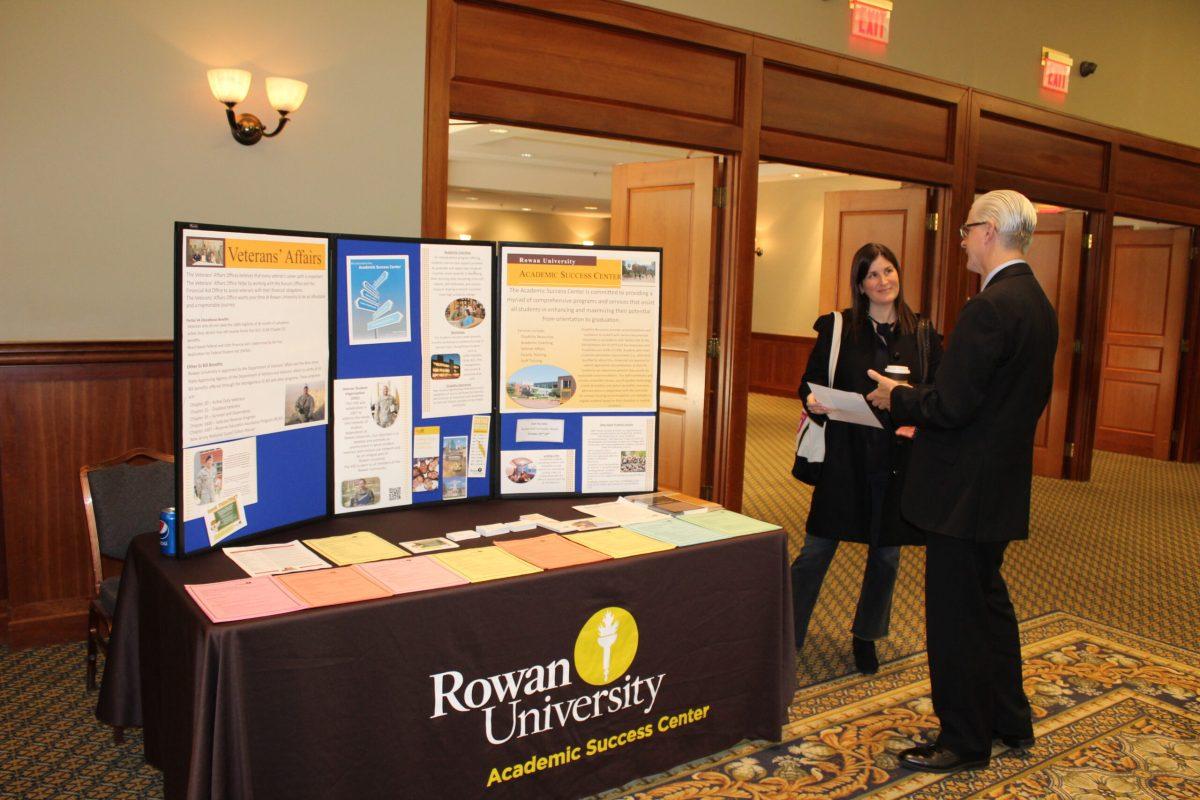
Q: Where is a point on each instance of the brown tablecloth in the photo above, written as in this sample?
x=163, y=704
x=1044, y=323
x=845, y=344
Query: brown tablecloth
x=344, y=701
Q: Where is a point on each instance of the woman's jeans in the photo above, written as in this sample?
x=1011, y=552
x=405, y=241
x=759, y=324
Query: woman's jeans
x=874, y=599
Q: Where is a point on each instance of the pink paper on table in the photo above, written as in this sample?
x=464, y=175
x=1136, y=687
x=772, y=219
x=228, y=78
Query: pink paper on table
x=330, y=587
x=551, y=551
x=404, y=575
x=243, y=598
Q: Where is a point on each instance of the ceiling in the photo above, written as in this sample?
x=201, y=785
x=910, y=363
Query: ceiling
x=507, y=168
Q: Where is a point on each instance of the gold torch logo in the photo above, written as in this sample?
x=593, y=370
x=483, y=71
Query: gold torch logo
x=606, y=646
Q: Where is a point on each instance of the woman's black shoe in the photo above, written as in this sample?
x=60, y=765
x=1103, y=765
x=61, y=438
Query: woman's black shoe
x=865, y=660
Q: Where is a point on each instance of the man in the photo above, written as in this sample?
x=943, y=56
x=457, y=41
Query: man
x=386, y=409
x=205, y=480
x=363, y=496
x=305, y=404
x=968, y=485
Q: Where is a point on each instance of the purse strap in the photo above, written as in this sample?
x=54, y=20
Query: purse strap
x=835, y=347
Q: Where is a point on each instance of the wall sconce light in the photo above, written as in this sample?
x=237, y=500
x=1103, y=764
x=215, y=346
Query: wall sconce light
x=758, y=251
x=464, y=237
x=230, y=87
x=588, y=243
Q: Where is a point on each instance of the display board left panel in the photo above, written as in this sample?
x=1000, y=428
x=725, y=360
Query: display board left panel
x=252, y=381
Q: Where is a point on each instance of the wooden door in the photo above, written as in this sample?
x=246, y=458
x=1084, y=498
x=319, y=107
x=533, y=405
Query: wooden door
x=1056, y=256
x=669, y=204
x=893, y=217
x=1143, y=327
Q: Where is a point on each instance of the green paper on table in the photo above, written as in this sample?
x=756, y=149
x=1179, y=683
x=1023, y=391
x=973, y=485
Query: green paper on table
x=677, y=532
x=729, y=522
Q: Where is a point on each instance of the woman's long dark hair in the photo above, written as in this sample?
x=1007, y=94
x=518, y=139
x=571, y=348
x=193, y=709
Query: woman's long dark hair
x=906, y=320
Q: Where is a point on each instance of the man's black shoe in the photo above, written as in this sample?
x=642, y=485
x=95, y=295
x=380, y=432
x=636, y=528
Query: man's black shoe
x=865, y=659
x=1017, y=742
x=934, y=758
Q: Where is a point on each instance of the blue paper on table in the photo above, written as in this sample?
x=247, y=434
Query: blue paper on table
x=677, y=532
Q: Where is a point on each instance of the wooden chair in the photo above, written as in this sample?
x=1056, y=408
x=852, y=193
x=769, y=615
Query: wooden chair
x=122, y=497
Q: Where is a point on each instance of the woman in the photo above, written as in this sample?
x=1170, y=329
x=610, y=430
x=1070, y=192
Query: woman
x=848, y=503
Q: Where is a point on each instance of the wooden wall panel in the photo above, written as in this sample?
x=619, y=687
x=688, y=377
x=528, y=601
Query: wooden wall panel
x=824, y=107
x=63, y=406
x=777, y=362
x=1150, y=176
x=1017, y=148
x=552, y=55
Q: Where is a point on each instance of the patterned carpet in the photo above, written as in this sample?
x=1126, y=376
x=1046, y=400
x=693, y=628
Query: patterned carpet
x=1123, y=549
x=1116, y=715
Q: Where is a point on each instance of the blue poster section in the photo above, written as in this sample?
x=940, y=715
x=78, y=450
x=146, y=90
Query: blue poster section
x=572, y=439
x=291, y=486
x=392, y=357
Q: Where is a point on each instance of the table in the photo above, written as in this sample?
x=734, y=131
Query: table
x=467, y=692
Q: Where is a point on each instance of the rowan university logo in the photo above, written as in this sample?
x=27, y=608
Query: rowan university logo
x=606, y=646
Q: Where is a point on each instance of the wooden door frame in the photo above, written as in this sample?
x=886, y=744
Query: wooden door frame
x=1118, y=183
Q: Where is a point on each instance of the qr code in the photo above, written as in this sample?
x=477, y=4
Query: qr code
x=395, y=493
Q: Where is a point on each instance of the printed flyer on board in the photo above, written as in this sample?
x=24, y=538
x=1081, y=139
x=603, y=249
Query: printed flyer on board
x=373, y=443
x=255, y=334
x=581, y=329
x=456, y=330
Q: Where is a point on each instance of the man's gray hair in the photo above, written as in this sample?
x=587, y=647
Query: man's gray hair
x=1013, y=215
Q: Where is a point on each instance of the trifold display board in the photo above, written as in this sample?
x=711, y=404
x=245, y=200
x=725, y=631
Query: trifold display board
x=329, y=374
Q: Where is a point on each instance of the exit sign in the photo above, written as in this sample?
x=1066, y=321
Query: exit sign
x=1056, y=70
x=871, y=19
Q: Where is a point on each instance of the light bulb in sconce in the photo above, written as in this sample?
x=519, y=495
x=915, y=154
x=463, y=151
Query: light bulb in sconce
x=230, y=87
x=286, y=95
x=588, y=243
x=464, y=237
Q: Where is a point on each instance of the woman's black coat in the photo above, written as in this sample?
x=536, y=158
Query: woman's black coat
x=841, y=502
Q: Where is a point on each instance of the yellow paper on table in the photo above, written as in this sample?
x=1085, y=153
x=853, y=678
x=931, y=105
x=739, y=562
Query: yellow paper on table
x=729, y=522
x=354, y=548
x=479, y=564
x=619, y=542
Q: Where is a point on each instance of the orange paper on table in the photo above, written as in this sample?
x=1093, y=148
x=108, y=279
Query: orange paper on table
x=551, y=551
x=330, y=587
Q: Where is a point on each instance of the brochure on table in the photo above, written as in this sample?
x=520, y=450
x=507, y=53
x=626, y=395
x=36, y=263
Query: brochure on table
x=578, y=363
x=324, y=374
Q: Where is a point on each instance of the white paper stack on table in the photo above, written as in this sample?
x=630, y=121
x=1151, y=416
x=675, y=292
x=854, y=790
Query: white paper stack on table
x=622, y=513
x=274, y=559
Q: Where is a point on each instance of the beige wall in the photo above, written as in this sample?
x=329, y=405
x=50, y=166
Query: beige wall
x=787, y=276
x=525, y=226
x=110, y=134
x=1147, y=50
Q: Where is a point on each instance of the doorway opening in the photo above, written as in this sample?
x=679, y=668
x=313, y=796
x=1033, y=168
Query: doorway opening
x=518, y=184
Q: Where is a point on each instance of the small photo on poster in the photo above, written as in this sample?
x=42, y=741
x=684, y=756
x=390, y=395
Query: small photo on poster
x=520, y=470
x=205, y=252
x=454, y=457
x=542, y=386
x=425, y=474
x=209, y=475
x=303, y=403
x=445, y=366
x=360, y=492
x=378, y=297
x=637, y=271
x=633, y=461
x=385, y=405
x=454, y=488
x=465, y=312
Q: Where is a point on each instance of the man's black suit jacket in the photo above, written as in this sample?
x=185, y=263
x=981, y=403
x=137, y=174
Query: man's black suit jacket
x=972, y=459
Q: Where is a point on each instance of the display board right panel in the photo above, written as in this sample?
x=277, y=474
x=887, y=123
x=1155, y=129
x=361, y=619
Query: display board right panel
x=578, y=369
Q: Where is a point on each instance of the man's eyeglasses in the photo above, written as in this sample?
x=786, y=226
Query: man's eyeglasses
x=965, y=229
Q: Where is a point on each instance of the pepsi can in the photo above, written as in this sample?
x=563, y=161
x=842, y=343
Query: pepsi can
x=166, y=531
